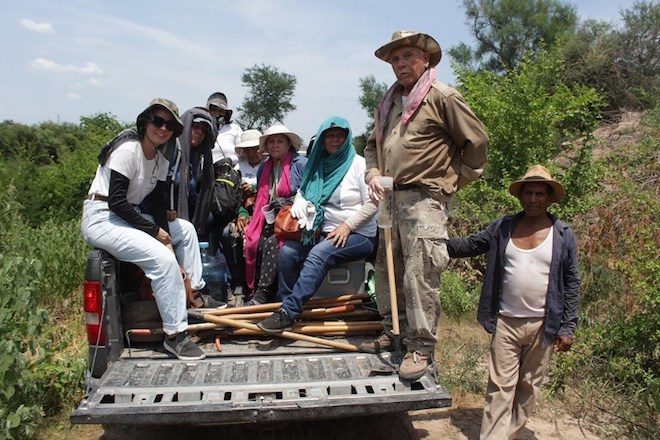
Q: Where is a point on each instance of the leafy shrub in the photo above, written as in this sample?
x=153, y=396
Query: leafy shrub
x=54, y=188
x=40, y=367
x=456, y=296
x=528, y=113
x=21, y=323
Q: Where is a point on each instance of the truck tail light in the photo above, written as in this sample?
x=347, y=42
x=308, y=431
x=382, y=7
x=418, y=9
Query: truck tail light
x=93, y=307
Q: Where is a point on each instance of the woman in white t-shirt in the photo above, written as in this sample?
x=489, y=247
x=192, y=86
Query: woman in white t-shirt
x=131, y=168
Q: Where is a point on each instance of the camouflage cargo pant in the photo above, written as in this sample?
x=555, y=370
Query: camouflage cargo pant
x=419, y=247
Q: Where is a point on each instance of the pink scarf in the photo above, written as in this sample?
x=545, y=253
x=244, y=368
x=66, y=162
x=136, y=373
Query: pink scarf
x=415, y=98
x=258, y=221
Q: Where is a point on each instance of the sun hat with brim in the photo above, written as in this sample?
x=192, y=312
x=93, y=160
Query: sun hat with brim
x=538, y=174
x=249, y=139
x=167, y=105
x=280, y=129
x=217, y=99
x=411, y=38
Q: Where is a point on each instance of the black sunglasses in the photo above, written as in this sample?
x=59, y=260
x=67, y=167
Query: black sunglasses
x=170, y=124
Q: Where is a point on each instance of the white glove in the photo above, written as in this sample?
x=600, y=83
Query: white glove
x=299, y=208
x=307, y=222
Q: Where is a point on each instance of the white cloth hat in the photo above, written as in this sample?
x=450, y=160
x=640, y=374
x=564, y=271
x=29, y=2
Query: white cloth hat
x=249, y=138
x=280, y=129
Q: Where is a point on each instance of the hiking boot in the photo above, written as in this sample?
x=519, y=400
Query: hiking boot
x=207, y=302
x=378, y=345
x=276, y=323
x=183, y=347
x=414, y=365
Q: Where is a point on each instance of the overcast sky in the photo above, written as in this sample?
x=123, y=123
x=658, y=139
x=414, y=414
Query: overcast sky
x=65, y=59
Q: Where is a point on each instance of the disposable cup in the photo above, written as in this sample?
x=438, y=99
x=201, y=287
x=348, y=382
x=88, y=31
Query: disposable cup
x=269, y=214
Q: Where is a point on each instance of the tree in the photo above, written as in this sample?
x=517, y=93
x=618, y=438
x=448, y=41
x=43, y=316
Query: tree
x=622, y=64
x=372, y=93
x=269, y=98
x=506, y=29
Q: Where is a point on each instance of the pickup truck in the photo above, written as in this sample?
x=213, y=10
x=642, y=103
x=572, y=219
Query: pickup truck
x=252, y=380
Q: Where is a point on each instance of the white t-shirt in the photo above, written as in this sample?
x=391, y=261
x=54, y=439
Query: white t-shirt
x=128, y=159
x=525, y=282
x=248, y=172
x=349, y=197
x=225, y=144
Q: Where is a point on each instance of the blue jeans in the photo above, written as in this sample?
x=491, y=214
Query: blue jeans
x=303, y=267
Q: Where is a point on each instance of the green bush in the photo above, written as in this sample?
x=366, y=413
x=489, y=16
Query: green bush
x=21, y=324
x=456, y=296
x=39, y=269
x=54, y=186
x=528, y=114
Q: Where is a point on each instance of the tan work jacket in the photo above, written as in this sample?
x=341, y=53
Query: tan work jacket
x=442, y=148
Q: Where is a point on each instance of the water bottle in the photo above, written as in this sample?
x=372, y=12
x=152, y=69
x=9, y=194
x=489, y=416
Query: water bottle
x=214, y=273
x=386, y=205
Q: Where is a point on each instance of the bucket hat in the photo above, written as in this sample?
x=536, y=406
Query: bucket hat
x=411, y=38
x=538, y=174
x=249, y=138
x=280, y=129
x=167, y=105
x=217, y=99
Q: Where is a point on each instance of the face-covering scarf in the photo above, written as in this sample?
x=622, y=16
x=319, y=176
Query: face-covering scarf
x=324, y=172
x=256, y=225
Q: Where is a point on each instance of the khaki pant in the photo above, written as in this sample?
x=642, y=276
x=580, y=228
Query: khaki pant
x=518, y=364
x=419, y=247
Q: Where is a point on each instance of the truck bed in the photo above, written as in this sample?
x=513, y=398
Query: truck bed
x=252, y=380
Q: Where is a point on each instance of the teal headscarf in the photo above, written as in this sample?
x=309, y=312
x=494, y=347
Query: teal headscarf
x=324, y=172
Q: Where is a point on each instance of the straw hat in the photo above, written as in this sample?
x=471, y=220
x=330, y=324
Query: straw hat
x=411, y=38
x=539, y=174
x=280, y=129
x=249, y=138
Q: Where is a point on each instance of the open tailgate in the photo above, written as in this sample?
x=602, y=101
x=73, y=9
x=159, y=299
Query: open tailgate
x=254, y=389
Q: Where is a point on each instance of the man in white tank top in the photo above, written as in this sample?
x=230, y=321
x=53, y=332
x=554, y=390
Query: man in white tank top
x=528, y=301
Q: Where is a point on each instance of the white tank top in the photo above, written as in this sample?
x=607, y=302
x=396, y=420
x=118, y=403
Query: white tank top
x=526, y=275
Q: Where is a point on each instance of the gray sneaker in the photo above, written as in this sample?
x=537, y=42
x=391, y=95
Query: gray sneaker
x=183, y=347
x=209, y=303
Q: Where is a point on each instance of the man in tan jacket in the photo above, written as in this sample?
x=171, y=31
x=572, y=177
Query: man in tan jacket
x=428, y=139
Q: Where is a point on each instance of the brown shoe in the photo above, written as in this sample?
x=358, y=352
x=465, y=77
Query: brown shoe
x=378, y=345
x=414, y=365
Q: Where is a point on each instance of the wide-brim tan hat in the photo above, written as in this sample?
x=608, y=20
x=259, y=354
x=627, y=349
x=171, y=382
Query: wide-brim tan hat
x=249, y=139
x=170, y=107
x=280, y=129
x=411, y=38
x=539, y=174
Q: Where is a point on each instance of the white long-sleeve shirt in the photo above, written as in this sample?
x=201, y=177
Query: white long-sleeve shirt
x=350, y=203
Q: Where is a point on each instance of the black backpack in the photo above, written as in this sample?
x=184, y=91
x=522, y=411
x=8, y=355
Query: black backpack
x=227, y=195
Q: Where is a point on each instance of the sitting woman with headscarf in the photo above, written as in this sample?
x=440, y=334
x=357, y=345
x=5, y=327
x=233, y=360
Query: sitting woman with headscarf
x=278, y=179
x=333, y=203
x=132, y=167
